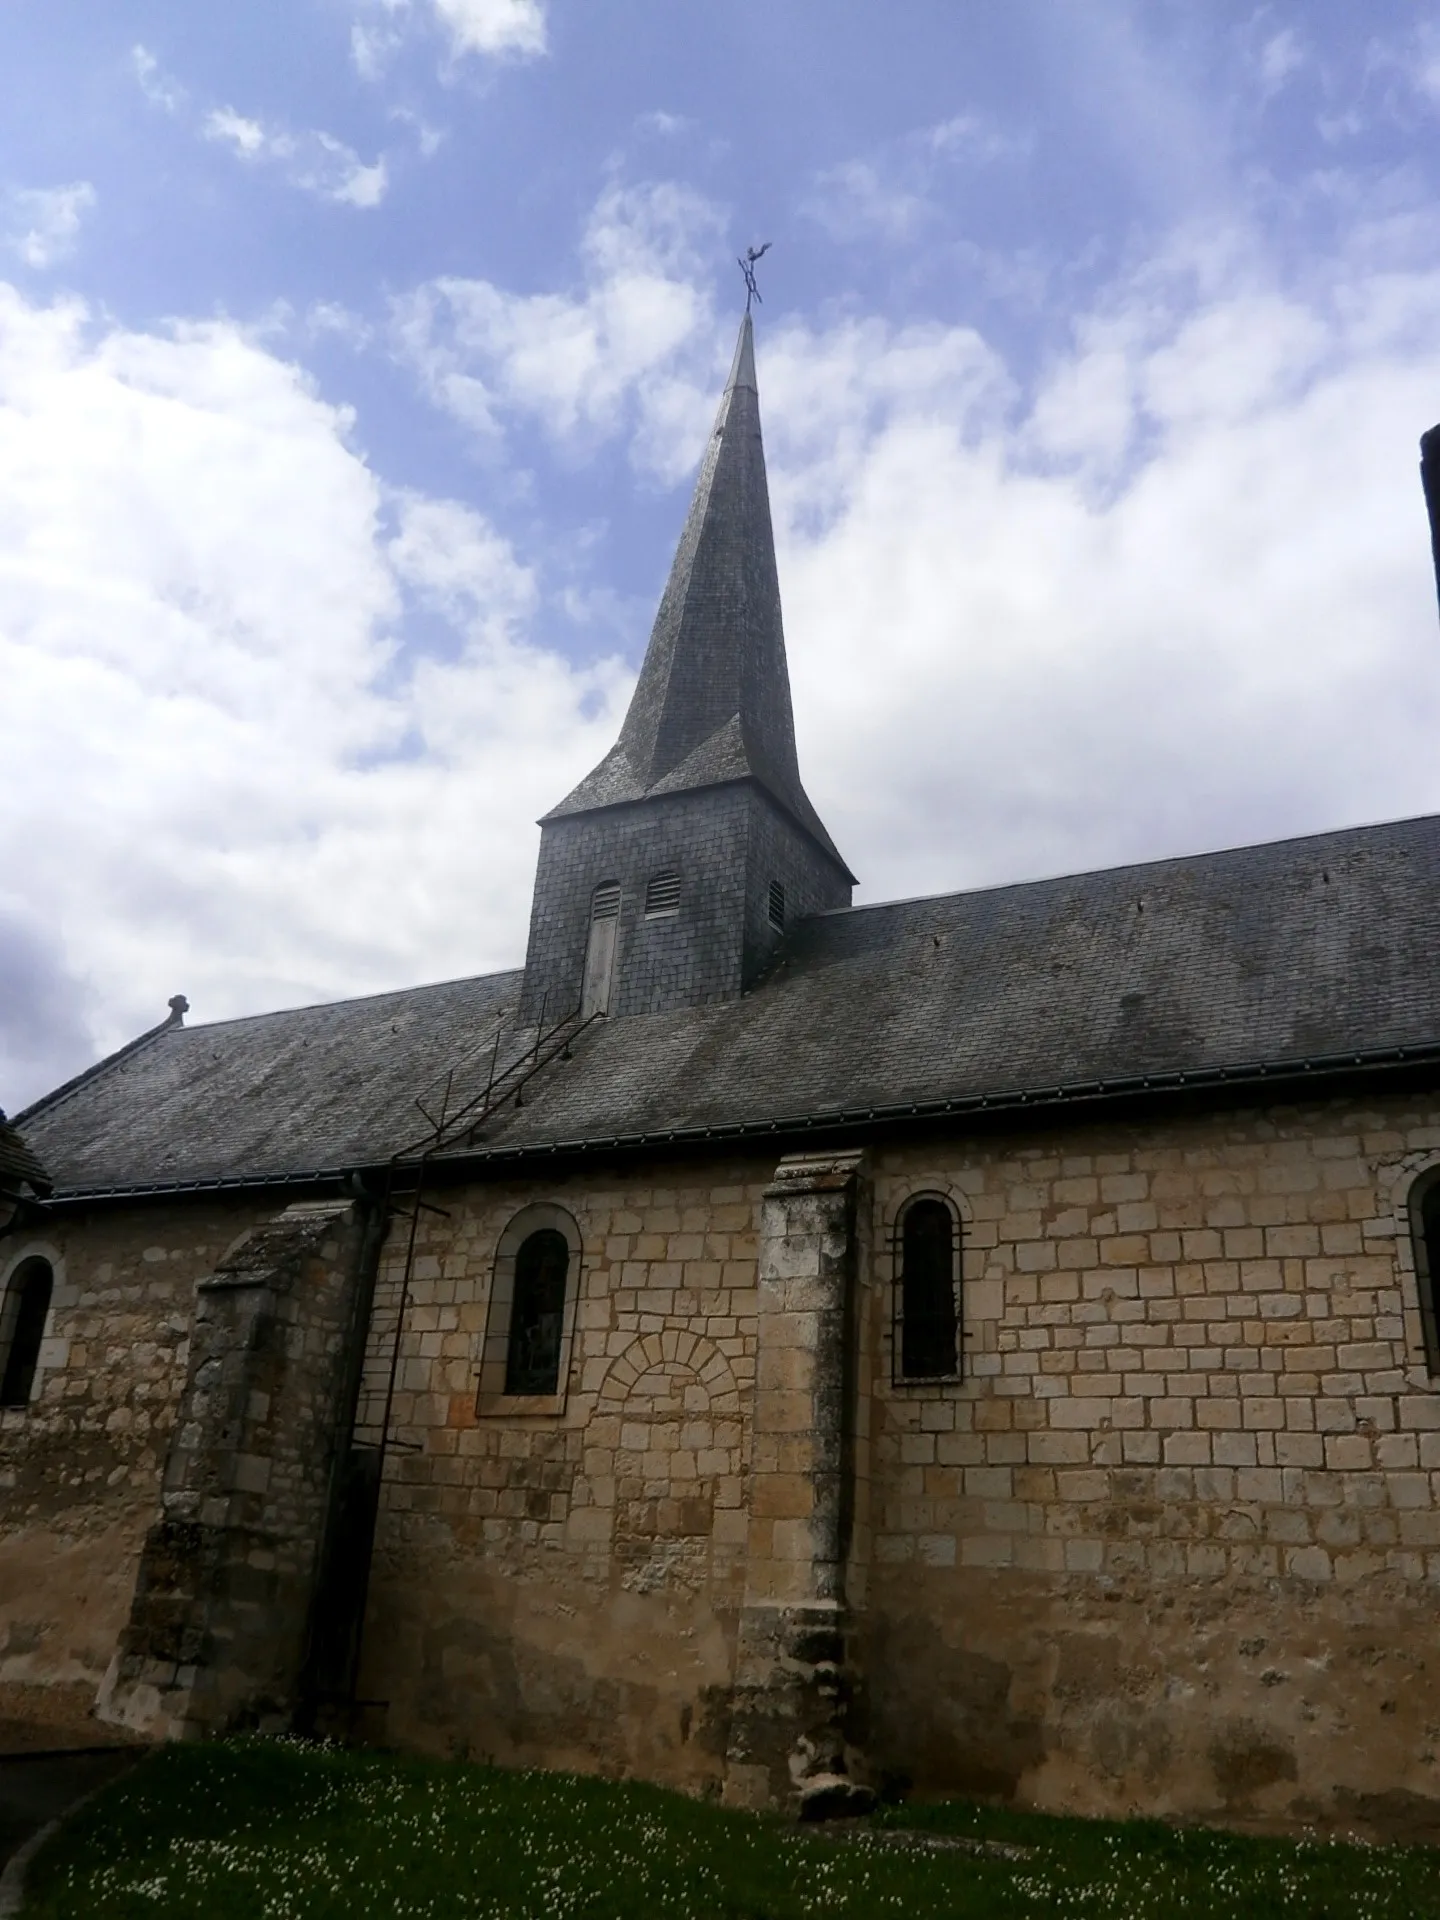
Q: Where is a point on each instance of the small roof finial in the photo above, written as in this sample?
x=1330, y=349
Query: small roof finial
x=179, y=1007
x=746, y=264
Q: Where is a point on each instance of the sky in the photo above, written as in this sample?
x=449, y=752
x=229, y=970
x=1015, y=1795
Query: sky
x=356, y=357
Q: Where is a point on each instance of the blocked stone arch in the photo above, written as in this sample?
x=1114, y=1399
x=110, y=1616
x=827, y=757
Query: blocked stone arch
x=674, y=1347
x=669, y=1413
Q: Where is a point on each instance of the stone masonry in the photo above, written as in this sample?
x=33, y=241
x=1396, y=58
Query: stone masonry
x=790, y=1738
x=1171, y=1542
x=80, y=1467
x=218, y=1628
x=1174, y=1542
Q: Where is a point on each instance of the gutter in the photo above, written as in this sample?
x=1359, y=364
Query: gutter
x=1318, y=1069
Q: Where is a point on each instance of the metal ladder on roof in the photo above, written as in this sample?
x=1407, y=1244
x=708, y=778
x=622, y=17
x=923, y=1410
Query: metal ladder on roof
x=504, y=1086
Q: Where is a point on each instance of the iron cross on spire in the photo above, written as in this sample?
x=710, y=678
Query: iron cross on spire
x=747, y=267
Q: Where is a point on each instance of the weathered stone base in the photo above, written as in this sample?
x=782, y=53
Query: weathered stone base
x=566, y=1673
x=219, y=1623
x=187, y=1666
x=1270, y=1705
x=794, y=1714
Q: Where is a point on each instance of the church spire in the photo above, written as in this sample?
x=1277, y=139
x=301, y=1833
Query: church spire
x=672, y=873
x=712, y=704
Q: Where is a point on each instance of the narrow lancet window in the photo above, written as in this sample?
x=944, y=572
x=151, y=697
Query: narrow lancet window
x=927, y=1305
x=1425, y=1229
x=775, y=906
x=22, y=1328
x=537, y=1316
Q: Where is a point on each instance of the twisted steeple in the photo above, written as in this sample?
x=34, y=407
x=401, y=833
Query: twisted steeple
x=712, y=704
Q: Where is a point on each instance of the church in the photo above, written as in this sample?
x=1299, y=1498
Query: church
x=786, y=1350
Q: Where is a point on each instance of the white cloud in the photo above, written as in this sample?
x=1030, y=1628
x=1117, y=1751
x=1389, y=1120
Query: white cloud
x=428, y=139
x=630, y=343
x=1421, y=63
x=315, y=162
x=44, y=222
x=667, y=126
x=493, y=26
x=158, y=87
x=221, y=776
x=491, y=29
x=1174, y=593
x=857, y=200
x=1282, y=55
x=248, y=138
x=328, y=320
x=1182, y=598
x=893, y=194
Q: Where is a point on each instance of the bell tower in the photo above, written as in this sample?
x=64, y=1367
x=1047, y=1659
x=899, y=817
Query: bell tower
x=668, y=877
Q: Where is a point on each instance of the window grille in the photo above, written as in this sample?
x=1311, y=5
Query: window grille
x=775, y=906
x=927, y=1304
x=606, y=903
x=537, y=1315
x=662, y=895
x=1425, y=1234
x=22, y=1328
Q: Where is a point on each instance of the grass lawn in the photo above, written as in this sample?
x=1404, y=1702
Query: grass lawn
x=272, y=1830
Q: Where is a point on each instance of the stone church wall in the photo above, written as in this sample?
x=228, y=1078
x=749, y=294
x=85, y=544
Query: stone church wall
x=563, y=1588
x=1171, y=1543
x=1174, y=1542
x=80, y=1467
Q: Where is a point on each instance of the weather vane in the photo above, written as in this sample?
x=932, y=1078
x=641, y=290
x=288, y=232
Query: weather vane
x=747, y=267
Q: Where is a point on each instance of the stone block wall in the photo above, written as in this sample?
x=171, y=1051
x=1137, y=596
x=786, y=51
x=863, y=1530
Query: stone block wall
x=1171, y=1543
x=563, y=1588
x=80, y=1467
x=219, y=1625
x=1174, y=1541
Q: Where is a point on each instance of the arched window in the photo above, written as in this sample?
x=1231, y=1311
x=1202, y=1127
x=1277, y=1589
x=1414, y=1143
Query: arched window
x=22, y=1328
x=537, y=1315
x=530, y=1319
x=1425, y=1238
x=927, y=1292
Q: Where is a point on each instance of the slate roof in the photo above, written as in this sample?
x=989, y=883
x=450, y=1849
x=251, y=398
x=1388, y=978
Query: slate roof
x=280, y=1094
x=712, y=703
x=1236, y=964
x=20, y=1171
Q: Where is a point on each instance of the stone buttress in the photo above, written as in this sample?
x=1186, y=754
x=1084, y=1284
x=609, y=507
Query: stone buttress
x=226, y=1587
x=796, y=1713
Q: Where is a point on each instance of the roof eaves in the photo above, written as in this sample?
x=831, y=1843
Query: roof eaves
x=1242, y=1076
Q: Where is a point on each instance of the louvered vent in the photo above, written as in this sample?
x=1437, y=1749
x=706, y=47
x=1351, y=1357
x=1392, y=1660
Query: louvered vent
x=662, y=895
x=606, y=903
x=776, y=906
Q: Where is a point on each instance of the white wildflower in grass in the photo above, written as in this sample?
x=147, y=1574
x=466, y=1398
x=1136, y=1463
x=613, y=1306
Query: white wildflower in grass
x=294, y=1830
